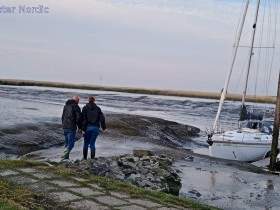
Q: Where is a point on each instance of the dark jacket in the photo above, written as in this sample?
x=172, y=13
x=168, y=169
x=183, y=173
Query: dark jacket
x=92, y=115
x=71, y=116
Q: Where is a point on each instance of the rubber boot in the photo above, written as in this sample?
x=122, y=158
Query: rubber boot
x=66, y=155
x=92, y=154
x=85, y=153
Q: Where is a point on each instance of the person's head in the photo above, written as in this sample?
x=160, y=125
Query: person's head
x=76, y=99
x=91, y=99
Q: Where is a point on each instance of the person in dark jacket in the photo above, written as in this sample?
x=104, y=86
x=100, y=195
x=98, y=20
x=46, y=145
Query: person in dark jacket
x=71, y=119
x=93, y=119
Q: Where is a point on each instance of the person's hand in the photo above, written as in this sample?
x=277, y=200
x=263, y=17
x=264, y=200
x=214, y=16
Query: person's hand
x=103, y=131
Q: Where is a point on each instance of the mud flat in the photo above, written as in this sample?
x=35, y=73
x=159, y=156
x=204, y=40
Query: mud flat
x=191, y=94
x=25, y=138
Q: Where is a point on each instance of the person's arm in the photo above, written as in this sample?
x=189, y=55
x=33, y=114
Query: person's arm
x=62, y=116
x=102, y=121
x=78, y=116
x=84, y=118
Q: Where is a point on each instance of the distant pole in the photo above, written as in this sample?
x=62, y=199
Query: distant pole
x=275, y=135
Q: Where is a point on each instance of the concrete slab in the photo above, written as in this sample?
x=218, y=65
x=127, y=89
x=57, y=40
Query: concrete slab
x=111, y=201
x=8, y=173
x=120, y=195
x=41, y=187
x=146, y=203
x=64, y=196
x=85, y=191
x=28, y=170
x=87, y=205
x=131, y=207
x=22, y=180
x=80, y=179
x=63, y=183
x=96, y=186
x=43, y=176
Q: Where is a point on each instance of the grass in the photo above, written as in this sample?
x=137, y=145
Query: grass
x=191, y=94
x=10, y=164
x=13, y=197
x=9, y=205
x=136, y=192
x=16, y=197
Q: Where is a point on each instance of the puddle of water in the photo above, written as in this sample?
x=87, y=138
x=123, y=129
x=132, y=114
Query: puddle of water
x=228, y=188
x=104, y=148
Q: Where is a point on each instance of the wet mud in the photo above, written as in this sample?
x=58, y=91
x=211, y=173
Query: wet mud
x=31, y=120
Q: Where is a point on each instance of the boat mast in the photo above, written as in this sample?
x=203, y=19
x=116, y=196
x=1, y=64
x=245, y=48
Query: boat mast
x=275, y=135
x=251, y=53
x=236, y=46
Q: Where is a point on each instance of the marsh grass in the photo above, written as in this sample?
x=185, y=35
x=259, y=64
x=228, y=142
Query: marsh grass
x=190, y=94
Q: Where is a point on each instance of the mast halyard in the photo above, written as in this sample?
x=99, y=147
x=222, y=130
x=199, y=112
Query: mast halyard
x=236, y=46
x=250, y=54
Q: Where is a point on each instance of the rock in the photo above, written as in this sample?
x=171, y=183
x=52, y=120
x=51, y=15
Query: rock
x=133, y=177
x=189, y=158
x=195, y=193
x=141, y=153
x=151, y=172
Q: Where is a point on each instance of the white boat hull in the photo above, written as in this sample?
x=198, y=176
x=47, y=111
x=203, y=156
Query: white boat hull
x=240, y=152
x=248, y=145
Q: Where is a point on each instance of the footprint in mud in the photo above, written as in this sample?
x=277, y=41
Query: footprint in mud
x=237, y=177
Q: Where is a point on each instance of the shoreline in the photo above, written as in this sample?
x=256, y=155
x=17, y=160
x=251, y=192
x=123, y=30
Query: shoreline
x=178, y=93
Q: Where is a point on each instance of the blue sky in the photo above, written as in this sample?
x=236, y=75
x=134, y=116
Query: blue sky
x=170, y=44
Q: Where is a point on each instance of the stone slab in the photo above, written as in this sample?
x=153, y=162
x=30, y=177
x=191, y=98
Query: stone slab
x=41, y=187
x=22, y=180
x=146, y=203
x=109, y=200
x=43, y=176
x=63, y=183
x=169, y=208
x=80, y=179
x=120, y=195
x=85, y=191
x=8, y=173
x=64, y=196
x=28, y=170
x=131, y=207
x=87, y=205
x=96, y=186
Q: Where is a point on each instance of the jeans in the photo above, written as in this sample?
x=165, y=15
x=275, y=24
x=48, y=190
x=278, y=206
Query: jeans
x=91, y=135
x=70, y=135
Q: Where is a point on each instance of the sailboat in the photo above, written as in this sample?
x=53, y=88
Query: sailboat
x=251, y=140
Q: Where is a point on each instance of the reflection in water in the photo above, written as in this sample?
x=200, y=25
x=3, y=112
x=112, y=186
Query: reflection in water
x=228, y=188
x=212, y=179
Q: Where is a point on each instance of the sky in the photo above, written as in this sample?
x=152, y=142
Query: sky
x=165, y=44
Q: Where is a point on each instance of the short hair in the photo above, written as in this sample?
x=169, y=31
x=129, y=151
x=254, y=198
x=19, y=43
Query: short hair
x=91, y=99
x=76, y=98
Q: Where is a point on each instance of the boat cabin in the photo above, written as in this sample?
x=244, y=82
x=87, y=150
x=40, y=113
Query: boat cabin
x=263, y=126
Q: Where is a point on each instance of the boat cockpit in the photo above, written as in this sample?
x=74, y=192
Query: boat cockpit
x=258, y=125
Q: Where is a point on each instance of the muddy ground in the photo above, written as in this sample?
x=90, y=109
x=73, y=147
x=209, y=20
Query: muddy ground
x=30, y=121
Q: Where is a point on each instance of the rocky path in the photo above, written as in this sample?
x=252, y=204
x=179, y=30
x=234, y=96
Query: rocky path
x=76, y=192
